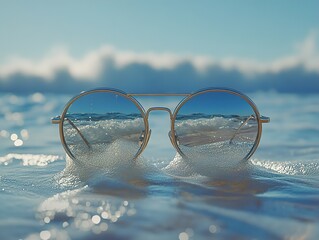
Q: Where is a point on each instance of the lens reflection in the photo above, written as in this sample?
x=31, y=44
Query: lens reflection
x=218, y=126
x=103, y=126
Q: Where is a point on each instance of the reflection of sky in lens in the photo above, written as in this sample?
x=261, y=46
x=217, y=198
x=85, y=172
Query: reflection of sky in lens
x=100, y=103
x=217, y=103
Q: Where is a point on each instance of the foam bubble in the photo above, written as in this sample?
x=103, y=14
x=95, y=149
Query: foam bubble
x=106, y=130
x=304, y=167
x=200, y=167
x=29, y=159
x=114, y=157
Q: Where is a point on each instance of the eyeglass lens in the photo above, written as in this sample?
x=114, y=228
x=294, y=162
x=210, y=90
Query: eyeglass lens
x=216, y=126
x=103, y=125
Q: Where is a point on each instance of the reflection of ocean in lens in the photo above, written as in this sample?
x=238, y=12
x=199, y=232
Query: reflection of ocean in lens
x=103, y=127
x=101, y=140
x=216, y=131
x=215, y=142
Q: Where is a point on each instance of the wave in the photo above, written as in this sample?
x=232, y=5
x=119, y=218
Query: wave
x=209, y=116
x=104, y=130
x=301, y=167
x=29, y=159
x=206, y=123
x=99, y=117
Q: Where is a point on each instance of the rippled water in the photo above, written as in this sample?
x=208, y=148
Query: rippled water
x=44, y=195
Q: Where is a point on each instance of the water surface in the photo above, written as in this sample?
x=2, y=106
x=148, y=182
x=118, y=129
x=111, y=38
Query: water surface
x=44, y=195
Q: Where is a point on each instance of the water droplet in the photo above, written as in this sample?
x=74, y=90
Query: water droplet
x=105, y=215
x=24, y=134
x=37, y=97
x=65, y=224
x=96, y=230
x=13, y=137
x=96, y=219
x=212, y=228
x=18, y=143
x=46, y=220
x=4, y=133
x=45, y=235
x=104, y=226
x=183, y=236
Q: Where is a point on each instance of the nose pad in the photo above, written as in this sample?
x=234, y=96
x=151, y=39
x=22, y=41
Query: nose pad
x=170, y=135
x=141, y=138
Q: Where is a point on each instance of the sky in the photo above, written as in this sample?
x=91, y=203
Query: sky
x=163, y=45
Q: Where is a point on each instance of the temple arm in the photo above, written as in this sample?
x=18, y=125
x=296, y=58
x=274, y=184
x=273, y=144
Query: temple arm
x=57, y=120
x=263, y=119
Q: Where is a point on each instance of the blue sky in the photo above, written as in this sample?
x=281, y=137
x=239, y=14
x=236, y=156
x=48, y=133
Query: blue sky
x=248, y=28
x=231, y=33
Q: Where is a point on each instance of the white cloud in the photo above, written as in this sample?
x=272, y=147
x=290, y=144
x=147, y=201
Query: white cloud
x=87, y=67
x=305, y=55
x=90, y=66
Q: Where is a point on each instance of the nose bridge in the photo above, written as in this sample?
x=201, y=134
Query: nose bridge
x=159, y=109
x=160, y=129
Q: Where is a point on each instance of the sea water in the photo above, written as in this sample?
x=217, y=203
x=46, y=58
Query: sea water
x=45, y=195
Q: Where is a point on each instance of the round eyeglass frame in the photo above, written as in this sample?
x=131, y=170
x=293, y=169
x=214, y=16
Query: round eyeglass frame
x=224, y=90
x=112, y=91
x=173, y=115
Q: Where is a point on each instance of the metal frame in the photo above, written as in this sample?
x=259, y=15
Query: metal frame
x=145, y=114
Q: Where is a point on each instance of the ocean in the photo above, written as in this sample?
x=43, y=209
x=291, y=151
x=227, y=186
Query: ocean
x=43, y=195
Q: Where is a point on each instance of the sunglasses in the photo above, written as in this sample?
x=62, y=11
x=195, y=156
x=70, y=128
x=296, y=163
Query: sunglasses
x=216, y=124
